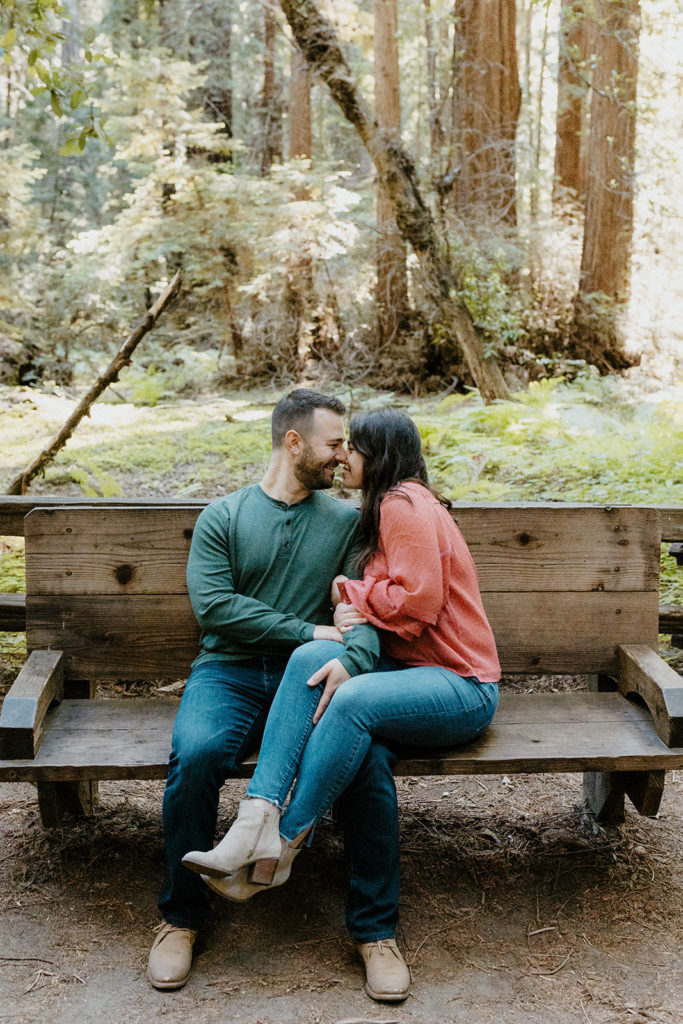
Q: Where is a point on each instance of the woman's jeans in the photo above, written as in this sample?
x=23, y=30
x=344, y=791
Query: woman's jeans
x=220, y=721
x=421, y=706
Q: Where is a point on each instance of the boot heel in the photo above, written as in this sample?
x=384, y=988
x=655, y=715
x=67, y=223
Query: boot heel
x=263, y=871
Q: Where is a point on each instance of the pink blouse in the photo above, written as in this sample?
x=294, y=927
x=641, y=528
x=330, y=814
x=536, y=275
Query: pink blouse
x=420, y=589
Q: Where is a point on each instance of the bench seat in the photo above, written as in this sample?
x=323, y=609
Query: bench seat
x=532, y=732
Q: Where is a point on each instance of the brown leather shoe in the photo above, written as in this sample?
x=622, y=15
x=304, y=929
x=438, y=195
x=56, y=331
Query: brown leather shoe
x=387, y=975
x=170, y=958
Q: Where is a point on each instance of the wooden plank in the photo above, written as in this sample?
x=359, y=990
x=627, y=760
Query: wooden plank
x=644, y=673
x=671, y=618
x=116, y=637
x=144, y=551
x=131, y=737
x=13, y=509
x=24, y=709
x=12, y=613
x=670, y=615
x=557, y=549
x=156, y=637
x=108, y=551
x=645, y=791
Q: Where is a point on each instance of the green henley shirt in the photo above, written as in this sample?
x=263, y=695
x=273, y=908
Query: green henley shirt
x=260, y=572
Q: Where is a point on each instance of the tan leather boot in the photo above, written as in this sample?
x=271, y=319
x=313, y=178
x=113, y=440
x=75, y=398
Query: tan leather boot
x=254, y=838
x=387, y=976
x=170, y=958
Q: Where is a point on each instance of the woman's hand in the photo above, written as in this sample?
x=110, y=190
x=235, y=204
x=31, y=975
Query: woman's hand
x=327, y=633
x=335, y=595
x=333, y=674
x=346, y=617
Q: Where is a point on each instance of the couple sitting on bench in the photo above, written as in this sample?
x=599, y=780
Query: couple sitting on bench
x=410, y=659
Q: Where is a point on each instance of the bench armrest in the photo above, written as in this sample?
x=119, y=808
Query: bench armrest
x=39, y=684
x=643, y=672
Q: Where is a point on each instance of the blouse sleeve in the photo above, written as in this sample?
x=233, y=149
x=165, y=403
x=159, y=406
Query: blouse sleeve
x=410, y=596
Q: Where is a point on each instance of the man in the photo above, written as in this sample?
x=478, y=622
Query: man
x=259, y=574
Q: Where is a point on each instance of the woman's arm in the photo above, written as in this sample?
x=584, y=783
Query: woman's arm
x=410, y=596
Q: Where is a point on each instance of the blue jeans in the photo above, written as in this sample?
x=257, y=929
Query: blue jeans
x=220, y=721
x=422, y=706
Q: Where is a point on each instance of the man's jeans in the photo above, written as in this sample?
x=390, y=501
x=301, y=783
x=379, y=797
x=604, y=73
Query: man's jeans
x=423, y=706
x=220, y=721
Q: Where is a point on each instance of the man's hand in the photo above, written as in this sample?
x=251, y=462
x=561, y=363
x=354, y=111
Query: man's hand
x=332, y=674
x=327, y=633
x=346, y=617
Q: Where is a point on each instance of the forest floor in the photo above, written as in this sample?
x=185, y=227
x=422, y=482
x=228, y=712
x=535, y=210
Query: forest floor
x=516, y=907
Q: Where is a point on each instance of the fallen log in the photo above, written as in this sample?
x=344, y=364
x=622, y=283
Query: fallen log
x=122, y=358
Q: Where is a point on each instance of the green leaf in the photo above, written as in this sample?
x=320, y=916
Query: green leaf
x=89, y=35
x=76, y=98
x=56, y=104
x=88, y=56
x=42, y=72
x=33, y=57
x=9, y=39
x=70, y=148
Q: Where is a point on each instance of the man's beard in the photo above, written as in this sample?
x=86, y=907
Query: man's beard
x=311, y=473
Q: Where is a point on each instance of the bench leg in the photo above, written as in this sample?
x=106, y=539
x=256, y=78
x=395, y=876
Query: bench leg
x=55, y=799
x=645, y=790
x=603, y=792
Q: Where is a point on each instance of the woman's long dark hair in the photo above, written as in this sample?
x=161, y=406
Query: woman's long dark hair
x=391, y=448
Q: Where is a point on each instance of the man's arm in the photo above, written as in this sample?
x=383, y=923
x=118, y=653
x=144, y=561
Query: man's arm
x=216, y=605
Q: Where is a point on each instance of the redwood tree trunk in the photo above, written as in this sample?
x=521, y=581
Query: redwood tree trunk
x=604, y=283
x=572, y=107
x=392, y=278
x=300, y=140
x=317, y=38
x=271, y=109
x=486, y=101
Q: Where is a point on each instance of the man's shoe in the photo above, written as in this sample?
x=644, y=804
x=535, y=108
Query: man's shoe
x=387, y=976
x=254, y=839
x=170, y=958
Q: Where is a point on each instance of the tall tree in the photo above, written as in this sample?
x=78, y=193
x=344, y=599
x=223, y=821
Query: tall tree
x=604, y=283
x=271, y=107
x=392, y=278
x=486, y=102
x=572, y=106
x=317, y=38
x=300, y=141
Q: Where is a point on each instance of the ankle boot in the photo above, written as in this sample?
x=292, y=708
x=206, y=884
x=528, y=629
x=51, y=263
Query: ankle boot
x=253, y=839
x=238, y=886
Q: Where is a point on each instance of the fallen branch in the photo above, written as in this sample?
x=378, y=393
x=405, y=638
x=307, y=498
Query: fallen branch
x=122, y=358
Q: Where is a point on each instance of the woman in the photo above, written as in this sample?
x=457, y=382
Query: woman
x=435, y=684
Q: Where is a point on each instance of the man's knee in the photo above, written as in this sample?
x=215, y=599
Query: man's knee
x=196, y=757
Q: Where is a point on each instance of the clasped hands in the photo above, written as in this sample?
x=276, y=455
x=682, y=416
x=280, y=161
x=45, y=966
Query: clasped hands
x=333, y=673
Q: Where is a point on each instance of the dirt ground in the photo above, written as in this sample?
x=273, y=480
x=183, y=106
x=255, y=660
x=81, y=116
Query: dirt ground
x=516, y=908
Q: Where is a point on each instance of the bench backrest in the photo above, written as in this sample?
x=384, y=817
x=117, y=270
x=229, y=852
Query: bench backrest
x=562, y=586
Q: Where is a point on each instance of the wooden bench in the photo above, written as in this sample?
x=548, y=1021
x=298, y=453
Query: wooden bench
x=568, y=589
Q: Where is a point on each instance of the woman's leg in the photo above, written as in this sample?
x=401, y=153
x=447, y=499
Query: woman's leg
x=290, y=722
x=424, y=706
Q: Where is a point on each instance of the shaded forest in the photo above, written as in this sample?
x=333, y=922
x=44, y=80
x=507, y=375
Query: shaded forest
x=414, y=195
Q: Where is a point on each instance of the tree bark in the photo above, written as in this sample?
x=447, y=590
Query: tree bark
x=122, y=358
x=572, y=93
x=317, y=38
x=392, y=278
x=604, y=283
x=487, y=100
x=608, y=234
x=271, y=110
x=300, y=136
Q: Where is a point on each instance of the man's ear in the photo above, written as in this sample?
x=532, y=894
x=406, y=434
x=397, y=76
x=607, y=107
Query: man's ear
x=294, y=442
